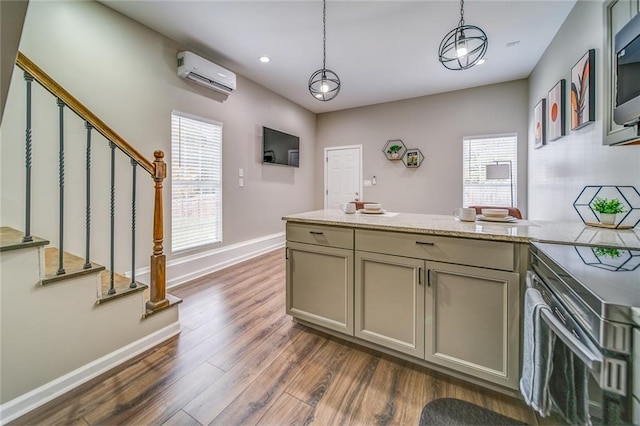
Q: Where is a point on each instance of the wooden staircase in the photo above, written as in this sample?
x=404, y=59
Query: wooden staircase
x=60, y=331
x=64, y=318
x=11, y=239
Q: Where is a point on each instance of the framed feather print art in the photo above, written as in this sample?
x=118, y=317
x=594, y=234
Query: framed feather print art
x=583, y=89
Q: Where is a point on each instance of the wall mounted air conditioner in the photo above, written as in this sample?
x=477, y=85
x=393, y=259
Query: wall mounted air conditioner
x=199, y=70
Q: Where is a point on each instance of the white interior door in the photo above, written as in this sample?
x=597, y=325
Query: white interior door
x=342, y=175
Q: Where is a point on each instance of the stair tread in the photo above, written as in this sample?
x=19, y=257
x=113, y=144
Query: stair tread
x=121, y=285
x=73, y=266
x=173, y=301
x=11, y=239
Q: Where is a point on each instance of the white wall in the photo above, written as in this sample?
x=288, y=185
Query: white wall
x=436, y=125
x=559, y=170
x=126, y=74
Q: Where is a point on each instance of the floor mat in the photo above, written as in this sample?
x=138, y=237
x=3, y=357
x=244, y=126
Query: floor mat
x=451, y=411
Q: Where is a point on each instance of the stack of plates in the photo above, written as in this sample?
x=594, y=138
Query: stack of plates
x=368, y=211
x=372, y=208
x=496, y=219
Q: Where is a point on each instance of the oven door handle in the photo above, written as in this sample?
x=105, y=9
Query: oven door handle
x=591, y=357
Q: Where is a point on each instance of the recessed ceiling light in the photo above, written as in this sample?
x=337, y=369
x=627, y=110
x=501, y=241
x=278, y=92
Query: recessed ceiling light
x=513, y=43
x=265, y=59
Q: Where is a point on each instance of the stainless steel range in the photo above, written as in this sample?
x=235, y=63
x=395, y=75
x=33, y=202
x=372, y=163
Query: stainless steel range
x=594, y=296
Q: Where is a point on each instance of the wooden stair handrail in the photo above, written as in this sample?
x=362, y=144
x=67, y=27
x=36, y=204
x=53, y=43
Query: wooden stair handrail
x=58, y=91
x=157, y=169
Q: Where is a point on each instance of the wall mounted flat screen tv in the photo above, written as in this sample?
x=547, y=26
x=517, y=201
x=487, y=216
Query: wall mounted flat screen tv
x=280, y=148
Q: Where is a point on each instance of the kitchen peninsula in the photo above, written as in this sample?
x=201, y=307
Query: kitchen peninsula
x=426, y=288
x=522, y=231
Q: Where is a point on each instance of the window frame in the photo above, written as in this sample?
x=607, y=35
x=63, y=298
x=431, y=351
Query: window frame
x=513, y=185
x=215, y=183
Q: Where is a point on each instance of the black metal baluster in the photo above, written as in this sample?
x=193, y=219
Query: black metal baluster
x=61, y=270
x=112, y=289
x=133, y=225
x=87, y=262
x=27, y=226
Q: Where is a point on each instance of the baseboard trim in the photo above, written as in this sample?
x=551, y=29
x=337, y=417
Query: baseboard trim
x=31, y=400
x=187, y=268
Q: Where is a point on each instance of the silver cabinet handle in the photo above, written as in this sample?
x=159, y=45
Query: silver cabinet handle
x=419, y=276
x=421, y=243
x=559, y=314
x=315, y=233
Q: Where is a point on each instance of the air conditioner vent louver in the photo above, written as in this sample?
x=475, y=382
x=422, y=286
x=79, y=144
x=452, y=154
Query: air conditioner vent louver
x=203, y=79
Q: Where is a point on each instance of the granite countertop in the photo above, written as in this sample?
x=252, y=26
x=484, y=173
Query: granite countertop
x=523, y=231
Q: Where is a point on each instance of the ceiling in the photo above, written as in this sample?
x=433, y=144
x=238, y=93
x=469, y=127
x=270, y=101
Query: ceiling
x=381, y=50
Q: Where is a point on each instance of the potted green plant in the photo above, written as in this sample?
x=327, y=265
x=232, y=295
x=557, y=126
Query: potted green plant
x=394, y=151
x=608, y=209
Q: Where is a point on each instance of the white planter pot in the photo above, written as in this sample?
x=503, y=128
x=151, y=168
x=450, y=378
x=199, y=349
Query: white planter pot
x=608, y=218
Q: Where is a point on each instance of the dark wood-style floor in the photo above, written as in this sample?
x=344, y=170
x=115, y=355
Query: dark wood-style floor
x=241, y=361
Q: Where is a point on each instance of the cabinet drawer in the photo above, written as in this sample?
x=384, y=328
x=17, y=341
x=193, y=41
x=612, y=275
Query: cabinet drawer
x=485, y=254
x=320, y=235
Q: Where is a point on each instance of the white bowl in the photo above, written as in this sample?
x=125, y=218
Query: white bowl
x=372, y=207
x=495, y=212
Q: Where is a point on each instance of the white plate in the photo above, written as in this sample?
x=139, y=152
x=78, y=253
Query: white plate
x=496, y=219
x=381, y=211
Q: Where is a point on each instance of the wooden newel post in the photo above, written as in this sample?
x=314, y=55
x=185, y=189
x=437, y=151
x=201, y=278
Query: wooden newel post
x=158, y=299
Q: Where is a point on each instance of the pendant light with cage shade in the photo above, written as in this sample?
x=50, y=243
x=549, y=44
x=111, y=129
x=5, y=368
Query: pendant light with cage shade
x=324, y=84
x=464, y=46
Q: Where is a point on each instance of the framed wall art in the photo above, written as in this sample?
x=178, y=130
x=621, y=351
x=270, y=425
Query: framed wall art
x=412, y=158
x=583, y=90
x=540, y=125
x=556, y=111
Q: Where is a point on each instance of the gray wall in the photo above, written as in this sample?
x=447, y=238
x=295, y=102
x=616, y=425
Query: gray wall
x=559, y=170
x=126, y=74
x=11, y=19
x=436, y=125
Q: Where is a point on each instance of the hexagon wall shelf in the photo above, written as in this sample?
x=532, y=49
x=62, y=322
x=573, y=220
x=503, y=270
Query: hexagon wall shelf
x=628, y=195
x=393, y=153
x=412, y=158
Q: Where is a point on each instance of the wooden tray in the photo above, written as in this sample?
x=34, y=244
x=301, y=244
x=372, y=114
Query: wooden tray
x=602, y=225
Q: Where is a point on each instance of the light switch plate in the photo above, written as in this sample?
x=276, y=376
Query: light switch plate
x=240, y=182
x=366, y=183
x=240, y=173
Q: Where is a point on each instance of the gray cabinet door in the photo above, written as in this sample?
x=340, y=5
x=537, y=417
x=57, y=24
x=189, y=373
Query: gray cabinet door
x=389, y=301
x=320, y=285
x=472, y=321
x=616, y=14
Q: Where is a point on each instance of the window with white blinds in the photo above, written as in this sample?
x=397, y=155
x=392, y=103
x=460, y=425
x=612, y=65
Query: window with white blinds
x=477, y=153
x=196, y=182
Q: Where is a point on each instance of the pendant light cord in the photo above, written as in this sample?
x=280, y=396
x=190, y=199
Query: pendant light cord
x=461, y=23
x=324, y=34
